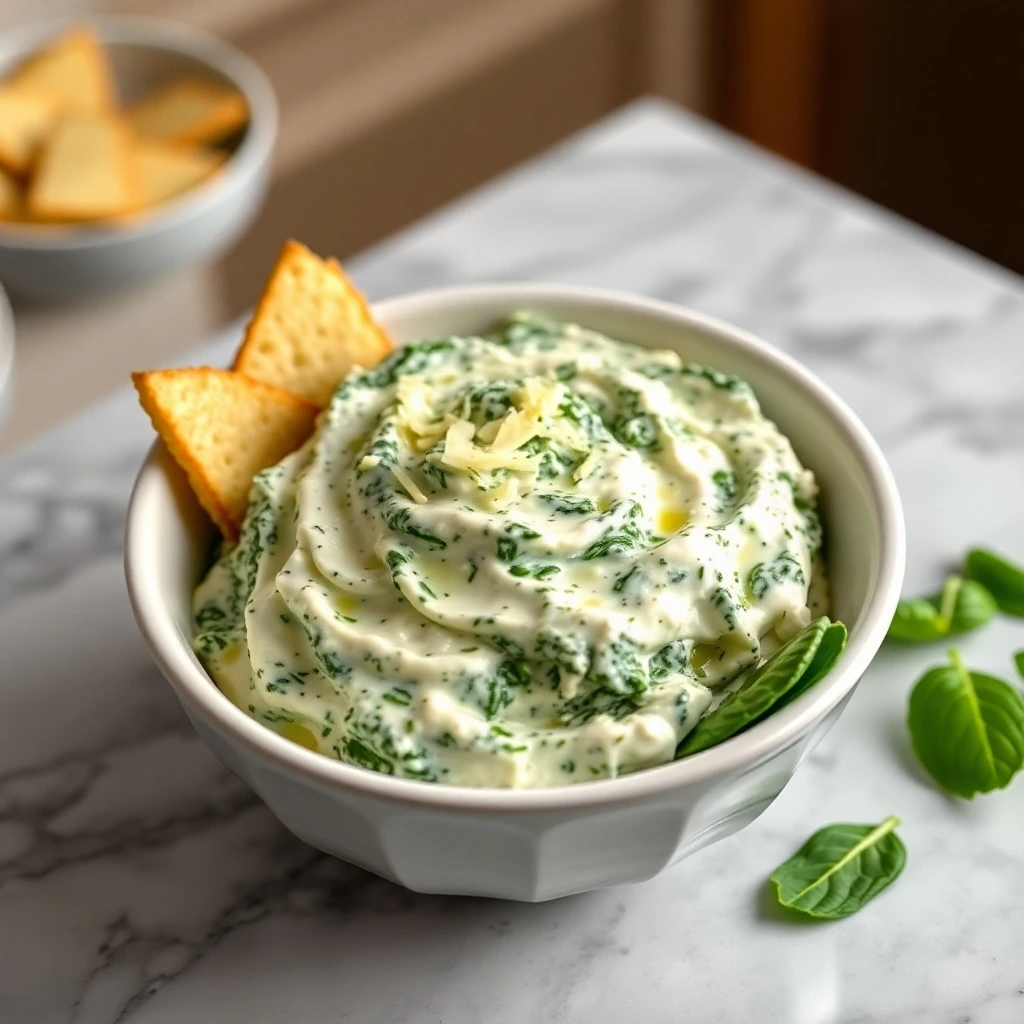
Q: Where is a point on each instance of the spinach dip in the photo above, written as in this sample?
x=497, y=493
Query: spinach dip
x=522, y=560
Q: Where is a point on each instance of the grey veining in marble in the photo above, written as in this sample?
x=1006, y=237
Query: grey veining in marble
x=141, y=882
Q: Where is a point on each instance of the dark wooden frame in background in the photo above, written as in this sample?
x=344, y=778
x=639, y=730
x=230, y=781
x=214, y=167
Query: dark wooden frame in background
x=769, y=74
x=915, y=104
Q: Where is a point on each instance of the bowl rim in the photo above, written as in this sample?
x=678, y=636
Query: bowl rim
x=7, y=350
x=172, y=37
x=200, y=695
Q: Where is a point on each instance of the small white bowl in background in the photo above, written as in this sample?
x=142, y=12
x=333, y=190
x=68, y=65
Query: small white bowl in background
x=539, y=844
x=64, y=261
x=6, y=359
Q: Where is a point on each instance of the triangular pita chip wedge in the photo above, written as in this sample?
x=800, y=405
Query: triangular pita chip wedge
x=25, y=119
x=223, y=428
x=86, y=170
x=311, y=327
x=189, y=111
x=74, y=70
x=166, y=171
x=10, y=197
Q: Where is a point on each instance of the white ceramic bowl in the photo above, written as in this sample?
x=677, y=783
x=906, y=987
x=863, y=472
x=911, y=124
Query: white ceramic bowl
x=539, y=844
x=6, y=359
x=62, y=262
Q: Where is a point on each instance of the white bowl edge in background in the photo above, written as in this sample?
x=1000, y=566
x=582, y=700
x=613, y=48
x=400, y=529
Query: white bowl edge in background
x=7, y=343
x=195, y=226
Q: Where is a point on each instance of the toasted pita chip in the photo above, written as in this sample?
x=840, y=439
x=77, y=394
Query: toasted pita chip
x=311, y=327
x=86, y=171
x=73, y=69
x=25, y=119
x=166, y=171
x=223, y=428
x=189, y=111
x=11, y=200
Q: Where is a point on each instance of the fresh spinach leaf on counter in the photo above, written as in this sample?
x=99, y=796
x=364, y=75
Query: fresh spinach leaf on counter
x=760, y=692
x=1018, y=660
x=967, y=728
x=840, y=868
x=1003, y=579
x=962, y=606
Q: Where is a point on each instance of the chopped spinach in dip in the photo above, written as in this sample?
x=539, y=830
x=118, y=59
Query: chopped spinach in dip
x=524, y=560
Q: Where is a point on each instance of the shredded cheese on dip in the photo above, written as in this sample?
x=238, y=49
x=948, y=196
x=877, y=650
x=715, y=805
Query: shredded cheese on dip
x=524, y=560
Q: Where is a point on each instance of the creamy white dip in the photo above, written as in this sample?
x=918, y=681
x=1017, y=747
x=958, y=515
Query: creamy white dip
x=524, y=560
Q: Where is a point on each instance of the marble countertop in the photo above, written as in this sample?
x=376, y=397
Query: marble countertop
x=140, y=881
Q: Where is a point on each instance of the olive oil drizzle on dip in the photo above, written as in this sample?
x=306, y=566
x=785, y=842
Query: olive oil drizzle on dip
x=524, y=560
